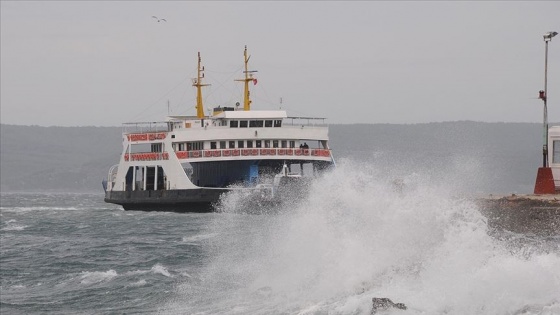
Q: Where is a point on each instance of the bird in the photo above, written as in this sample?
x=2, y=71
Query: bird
x=159, y=20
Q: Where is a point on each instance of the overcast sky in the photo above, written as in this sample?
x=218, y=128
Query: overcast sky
x=102, y=63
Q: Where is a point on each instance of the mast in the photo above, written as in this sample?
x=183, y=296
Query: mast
x=198, y=83
x=248, y=78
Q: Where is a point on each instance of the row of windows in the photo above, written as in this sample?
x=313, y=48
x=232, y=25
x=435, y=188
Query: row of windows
x=233, y=144
x=252, y=144
x=255, y=123
x=188, y=146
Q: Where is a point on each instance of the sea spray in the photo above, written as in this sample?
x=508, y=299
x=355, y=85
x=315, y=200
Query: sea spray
x=357, y=235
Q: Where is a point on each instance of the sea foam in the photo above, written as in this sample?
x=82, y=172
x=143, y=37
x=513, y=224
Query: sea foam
x=357, y=235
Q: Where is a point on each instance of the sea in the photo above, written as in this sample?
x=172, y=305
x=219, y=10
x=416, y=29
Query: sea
x=356, y=234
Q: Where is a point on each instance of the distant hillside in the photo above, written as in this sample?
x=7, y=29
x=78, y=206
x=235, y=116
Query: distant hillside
x=505, y=155
x=56, y=158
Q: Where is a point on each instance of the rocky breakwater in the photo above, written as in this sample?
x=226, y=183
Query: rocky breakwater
x=538, y=214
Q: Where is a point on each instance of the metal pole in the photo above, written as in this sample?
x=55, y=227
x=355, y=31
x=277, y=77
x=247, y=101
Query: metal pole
x=544, y=96
x=545, y=111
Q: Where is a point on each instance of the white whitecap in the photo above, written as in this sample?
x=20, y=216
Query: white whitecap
x=15, y=227
x=91, y=277
x=161, y=270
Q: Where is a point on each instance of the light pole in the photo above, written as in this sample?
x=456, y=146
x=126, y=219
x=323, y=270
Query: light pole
x=543, y=96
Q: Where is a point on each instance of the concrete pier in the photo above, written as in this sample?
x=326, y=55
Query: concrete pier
x=538, y=214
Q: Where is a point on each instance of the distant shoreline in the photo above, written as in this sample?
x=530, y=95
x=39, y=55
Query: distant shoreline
x=486, y=157
x=330, y=123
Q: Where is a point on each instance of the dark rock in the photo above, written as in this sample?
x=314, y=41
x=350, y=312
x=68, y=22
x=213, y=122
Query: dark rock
x=383, y=304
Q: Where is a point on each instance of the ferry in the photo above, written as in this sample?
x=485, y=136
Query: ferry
x=185, y=163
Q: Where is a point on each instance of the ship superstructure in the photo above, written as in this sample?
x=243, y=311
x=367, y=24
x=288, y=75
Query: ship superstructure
x=186, y=162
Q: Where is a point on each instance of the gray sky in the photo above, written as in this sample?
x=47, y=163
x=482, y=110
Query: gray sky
x=102, y=63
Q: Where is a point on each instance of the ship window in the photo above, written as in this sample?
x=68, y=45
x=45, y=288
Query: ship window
x=243, y=124
x=232, y=144
x=267, y=143
x=256, y=123
x=268, y=123
x=258, y=144
x=240, y=144
x=284, y=143
x=222, y=144
x=278, y=123
x=157, y=147
x=249, y=143
x=198, y=145
x=292, y=144
x=275, y=143
x=233, y=123
x=212, y=145
x=556, y=151
x=189, y=146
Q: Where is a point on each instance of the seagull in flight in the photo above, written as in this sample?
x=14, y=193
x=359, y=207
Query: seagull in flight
x=159, y=20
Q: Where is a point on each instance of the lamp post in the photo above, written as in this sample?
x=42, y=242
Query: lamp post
x=543, y=96
x=545, y=179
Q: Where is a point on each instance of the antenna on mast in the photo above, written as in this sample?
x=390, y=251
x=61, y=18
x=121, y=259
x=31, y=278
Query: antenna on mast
x=248, y=78
x=198, y=83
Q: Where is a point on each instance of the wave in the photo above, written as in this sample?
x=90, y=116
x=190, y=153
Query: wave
x=156, y=269
x=41, y=208
x=92, y=277
x=361, y=233
x=159, y=269
x=196, y=239
x=11, y=225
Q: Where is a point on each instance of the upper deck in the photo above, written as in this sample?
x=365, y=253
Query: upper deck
x=234, y=125
x=229, y=136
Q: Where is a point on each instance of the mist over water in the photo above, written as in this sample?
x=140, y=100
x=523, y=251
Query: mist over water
x=359, y=234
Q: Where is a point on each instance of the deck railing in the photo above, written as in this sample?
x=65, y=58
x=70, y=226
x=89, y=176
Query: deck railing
x=196, y=154
x=141, y=127
x=305, y=121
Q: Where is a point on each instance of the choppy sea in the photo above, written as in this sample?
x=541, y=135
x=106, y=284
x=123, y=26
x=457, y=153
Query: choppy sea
x=354, y=237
